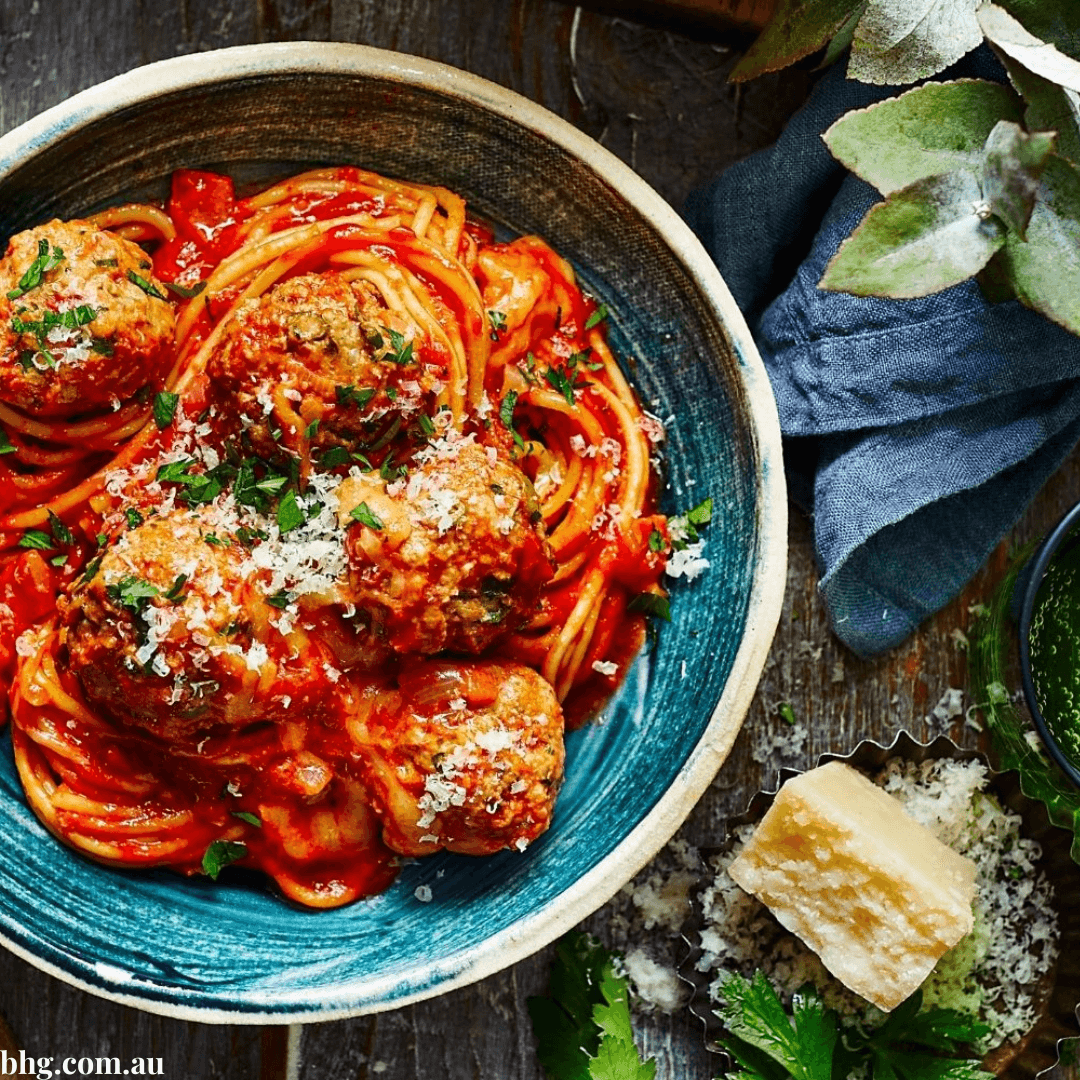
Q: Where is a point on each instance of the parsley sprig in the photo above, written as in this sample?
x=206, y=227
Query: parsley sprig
x=71, y=319
x=583, y=1027
x=768, y=1043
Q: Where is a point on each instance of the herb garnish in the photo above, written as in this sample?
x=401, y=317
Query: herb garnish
x=281, y=599
x=38, y=269
x=684, y=527
x=350, y=395
x=147, y=287
x=506, y=415
x=244, y=815
x=61, y=533
x=290, y=515
x=363, y=514
x=36, y=539
x=132, y=592
x=597, y=317
x=133, y=517
x=183, y=290
x=565, y=383
x=165, y=408
x=71, y=319
x=582, y=1027
x=769, y=1044
x=5, y=443
x=498, y=323
x=222, y=853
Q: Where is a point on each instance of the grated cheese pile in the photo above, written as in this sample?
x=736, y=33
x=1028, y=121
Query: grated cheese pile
x=992, y=973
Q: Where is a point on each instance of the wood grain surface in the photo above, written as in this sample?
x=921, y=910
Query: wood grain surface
x=658, y=99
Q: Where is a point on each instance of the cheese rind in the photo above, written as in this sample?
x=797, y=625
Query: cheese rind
x=875, y=894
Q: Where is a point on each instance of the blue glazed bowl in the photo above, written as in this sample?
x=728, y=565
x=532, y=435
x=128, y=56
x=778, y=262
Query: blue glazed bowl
x=232, y=952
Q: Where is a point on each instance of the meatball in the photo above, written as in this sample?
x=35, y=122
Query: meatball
x=83, y=323
x=453, y=557
x=469, y=758
x=319, y=347
x=175, y=633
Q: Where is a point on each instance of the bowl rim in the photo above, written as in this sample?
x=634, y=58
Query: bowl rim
x=1031, y=581
x=595, y=887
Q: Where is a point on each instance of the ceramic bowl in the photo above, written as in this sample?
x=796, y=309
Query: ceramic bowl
x=234, y=953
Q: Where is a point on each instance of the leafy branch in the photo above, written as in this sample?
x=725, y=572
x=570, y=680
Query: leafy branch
x=979, y=179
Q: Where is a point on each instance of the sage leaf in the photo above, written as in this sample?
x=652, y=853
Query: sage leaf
x=1049, y=107
x=922, y=239
x=797, y=29
x=1034, y=53
x=905, y=41
x=933, y=129
x=1057, y=22
x=1045, y=271
x=842, y=41
x=1012, y=166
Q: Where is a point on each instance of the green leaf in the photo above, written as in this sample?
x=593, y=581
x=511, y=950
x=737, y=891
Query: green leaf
x=165, y=408
x=753, y=1013
x=905, y=41
x=1012, y=165
x=184, y=291
x=5, y=443
x=566, y=1037
x=597, y=317
x=222, y=853
x=922, y=239
x=36, y=540
x=933, y=129
x=37, y=269
x=1045, y=271
x=132, y=592
x=817, y=1030
x=364, y=515
x=289, y=513
x=1056, y=22
x=61, y=533
x=844, y=36
x=147, y=287
x=616, y=1057
x=797, y=29
x=1049, y=107
x=244, y=815
x=702, y=513
x=1008, y=35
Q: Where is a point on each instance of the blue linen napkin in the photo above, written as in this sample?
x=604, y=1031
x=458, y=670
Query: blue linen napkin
x=915, y=431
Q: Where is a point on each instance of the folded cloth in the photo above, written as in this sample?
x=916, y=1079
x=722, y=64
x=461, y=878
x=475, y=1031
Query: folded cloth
x=915, y=431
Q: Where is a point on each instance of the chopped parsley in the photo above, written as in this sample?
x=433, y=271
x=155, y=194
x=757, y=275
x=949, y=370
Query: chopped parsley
x=335, y=456
x=597, y=317
x=5, y=443
x=44, y=262
x=399, y=350
x=37, y=540
x=290, y=514
x=281, y=599
x=132, y=592
x=176, y=590
x=506, y=415
x=250, y=818
x=101, y=346
x=312, y=429
x=61, y=533
x=684, y=527
x=71, y=319
x=147, y=287
x=222, y=853
x=216, y=541
x=183, y=290
x=363, y=514
x=564, y=383
x=165, y=408
x=498, y=323
x=133, y=517
x=350, y=395
x=656, y=540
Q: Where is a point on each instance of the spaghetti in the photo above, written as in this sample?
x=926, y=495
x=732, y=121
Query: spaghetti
x=320, y=583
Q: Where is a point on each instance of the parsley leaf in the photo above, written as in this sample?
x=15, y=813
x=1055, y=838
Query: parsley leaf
x=506, y=415
x=656, y=540
x=498, y=323
x=183, y=290
x=220, y=854
x=243, y=815
x=165, y=408
x=147, y=287
x=597, y=317
x=38, y=269
x=400, y=351
x=5, y=443
x=61, y=533
x=133, y=517
x=349, y=395
x=363, y=514
x=562, y=382
x=176, y=590
x=36, y=539
x=582, y=1026
x=132, y=592
x=289, y=513
x=280, y=599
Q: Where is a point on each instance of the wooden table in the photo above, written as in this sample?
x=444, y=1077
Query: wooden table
x=657, y=98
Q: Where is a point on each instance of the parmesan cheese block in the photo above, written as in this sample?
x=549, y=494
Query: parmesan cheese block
x=875, y=894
